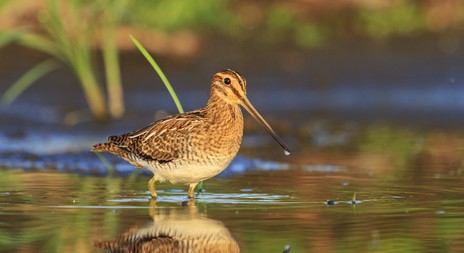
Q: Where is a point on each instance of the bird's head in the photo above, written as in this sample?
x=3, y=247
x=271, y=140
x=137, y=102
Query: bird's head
x=230, y=86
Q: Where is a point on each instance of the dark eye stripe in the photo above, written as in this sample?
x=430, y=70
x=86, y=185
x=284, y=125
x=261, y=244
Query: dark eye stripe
x=236, y=93
x=240, y=79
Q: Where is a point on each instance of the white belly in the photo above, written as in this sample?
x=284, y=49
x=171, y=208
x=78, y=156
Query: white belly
x=186, y=172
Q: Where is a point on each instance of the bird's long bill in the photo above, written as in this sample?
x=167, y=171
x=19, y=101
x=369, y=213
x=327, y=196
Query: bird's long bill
x=249, y=107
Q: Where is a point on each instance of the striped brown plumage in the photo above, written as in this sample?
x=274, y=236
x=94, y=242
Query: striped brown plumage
x=194, y=146
x=175, y=231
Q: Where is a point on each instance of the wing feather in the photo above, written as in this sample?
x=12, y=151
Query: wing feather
x=163, y=140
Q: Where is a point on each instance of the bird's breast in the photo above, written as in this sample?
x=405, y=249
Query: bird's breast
x=223, y=135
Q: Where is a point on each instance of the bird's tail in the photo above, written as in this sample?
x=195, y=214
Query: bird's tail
x=102, y=147
x=112, y=148
x=112, y=145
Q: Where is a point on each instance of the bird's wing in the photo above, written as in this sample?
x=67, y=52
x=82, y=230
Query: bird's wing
x=161, y=141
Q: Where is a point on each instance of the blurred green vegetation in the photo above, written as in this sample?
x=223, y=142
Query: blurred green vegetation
x=302, y=24
x=68, y=32
x=405, y=18
x=398, y=143
x=305, y=24
x=171, y=16
x=74, y=32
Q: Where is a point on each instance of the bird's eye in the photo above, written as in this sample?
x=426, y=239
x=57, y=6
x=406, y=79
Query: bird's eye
x=227, y=80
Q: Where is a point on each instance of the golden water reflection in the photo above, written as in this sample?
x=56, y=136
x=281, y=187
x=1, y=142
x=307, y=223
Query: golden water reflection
x=174, y=230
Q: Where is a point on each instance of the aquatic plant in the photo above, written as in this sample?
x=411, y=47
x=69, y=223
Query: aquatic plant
x=160, y=73
x=69, y=30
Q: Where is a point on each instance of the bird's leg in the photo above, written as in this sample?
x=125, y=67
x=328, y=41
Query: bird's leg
x=191, y=192
x=151, y=187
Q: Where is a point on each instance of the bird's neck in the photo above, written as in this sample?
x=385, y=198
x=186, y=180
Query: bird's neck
x=224, y=128
x=220, y=112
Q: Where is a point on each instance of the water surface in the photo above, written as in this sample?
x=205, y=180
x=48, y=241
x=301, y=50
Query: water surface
x=407, y=200
x=376, y=166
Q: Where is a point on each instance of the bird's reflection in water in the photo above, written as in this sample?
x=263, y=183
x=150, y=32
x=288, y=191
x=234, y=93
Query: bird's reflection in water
x=181, y=229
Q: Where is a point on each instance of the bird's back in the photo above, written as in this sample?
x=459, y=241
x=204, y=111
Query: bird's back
x=162, y=141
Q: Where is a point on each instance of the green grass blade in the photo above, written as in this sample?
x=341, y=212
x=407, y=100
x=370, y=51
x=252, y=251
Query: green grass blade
x=160, y=73
x=41, y=43
x=112, y=67
x=29, y=78
x=113, y=77
x=199, y=188
x=9, y=37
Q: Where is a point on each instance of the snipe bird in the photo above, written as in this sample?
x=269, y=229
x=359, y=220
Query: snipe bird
x=190, y=147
